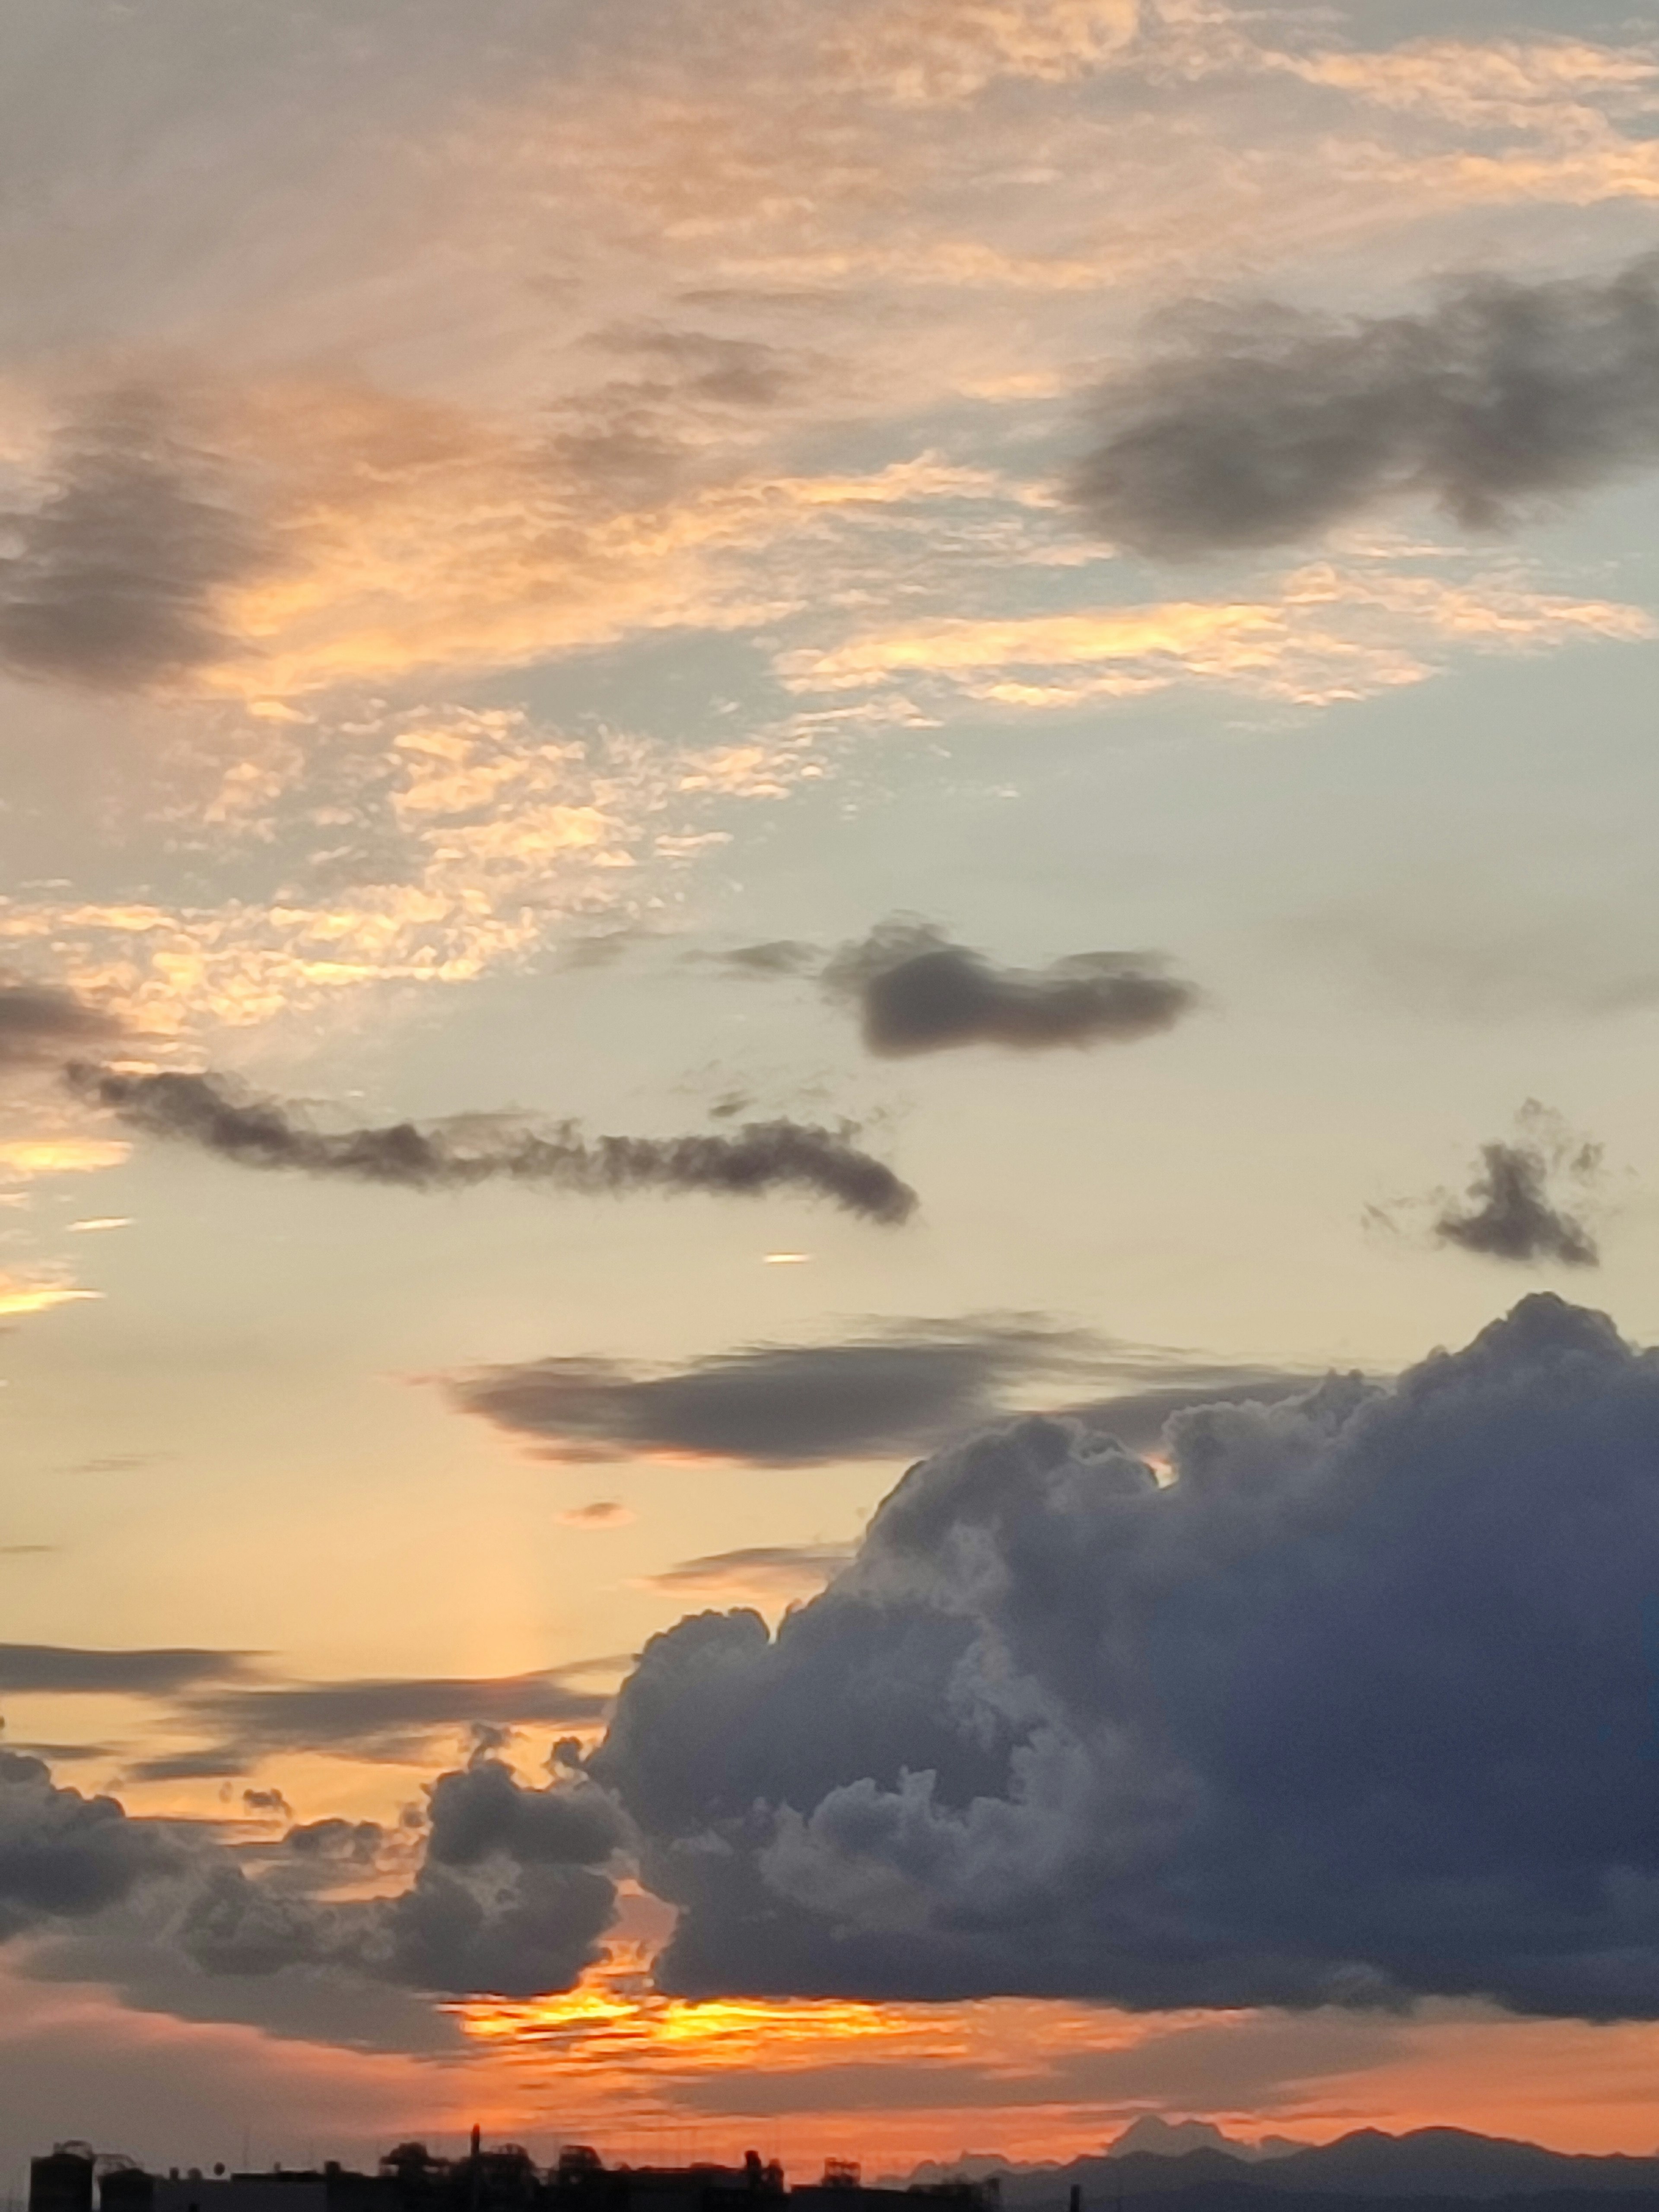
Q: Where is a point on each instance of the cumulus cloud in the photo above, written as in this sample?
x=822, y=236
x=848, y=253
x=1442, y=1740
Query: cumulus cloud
x=508, y=1896
x=111, y=576
x=1260, y=427
x=65, y=1855
x=1358, y=1707
x=216, y=1116
x=917, y=992
x=1514, y=1209
x=894, y=1390
x=62, y=1670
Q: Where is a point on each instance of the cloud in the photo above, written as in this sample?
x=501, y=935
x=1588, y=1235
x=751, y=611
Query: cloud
x=756, y=1569
x=114, y=577
x=1260, y=426
x=601, y=1513
x=1359, y=1707
x=41, y=1026
x=210, y=1112
x=1512, y=1210
x=57, y=1670
x=391, y=1719
x=876, y=1396
x=63, y=1854
x=917, y=992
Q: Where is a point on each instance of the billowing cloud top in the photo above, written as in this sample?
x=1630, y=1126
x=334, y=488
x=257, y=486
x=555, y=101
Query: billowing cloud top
x=1359, y=1707
x=1260, y=427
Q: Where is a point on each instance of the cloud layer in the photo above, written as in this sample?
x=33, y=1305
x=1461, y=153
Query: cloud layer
x=1261, y=427
x=1360, y=1707
x=207, y=1112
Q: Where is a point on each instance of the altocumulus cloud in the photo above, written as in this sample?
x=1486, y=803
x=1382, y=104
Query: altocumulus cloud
x=1358, y=1707
x=1258, y=425
x=41, y=1025
x=216, y=1116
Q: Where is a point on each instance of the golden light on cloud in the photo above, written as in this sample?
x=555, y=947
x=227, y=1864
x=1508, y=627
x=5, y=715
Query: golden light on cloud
x=19, y=1297
x=52, y=1156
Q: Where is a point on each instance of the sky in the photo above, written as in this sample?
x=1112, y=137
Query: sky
x=828, y=996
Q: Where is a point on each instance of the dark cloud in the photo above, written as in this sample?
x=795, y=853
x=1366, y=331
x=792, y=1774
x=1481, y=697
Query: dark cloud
x=1360, y=1706
x=1258, y=425
x=60, y=1670
x=213, y=1115
x=41, y=1025
x=917, y=992
x=63, y=1854
x=379, y=1719
x=1513, y=1209
x=877, y=1396
x=113, y=578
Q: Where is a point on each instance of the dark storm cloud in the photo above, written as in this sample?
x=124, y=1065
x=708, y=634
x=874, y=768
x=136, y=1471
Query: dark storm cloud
x=1362, y=1705
x=379, y=1719
x=40, y=1026
x=917, y=992
x=209, y=1112
x=1513, y=1212
x=112, y=579
x=876, y=1396
x=1260, y=426
x=60, y=1670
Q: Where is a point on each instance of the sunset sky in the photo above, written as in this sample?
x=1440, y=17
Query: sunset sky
x=740, y=737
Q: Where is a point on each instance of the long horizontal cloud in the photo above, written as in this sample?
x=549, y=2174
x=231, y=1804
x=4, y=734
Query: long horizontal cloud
x=64, y=1670
x=381, y=1719
x=898, y=1389
x=1260, y=426
x=1305, y=1725
x=207, y=1112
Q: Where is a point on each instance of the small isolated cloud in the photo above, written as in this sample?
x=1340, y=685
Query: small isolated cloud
x=216, y=1116
x=917, y=992
x=759, y=1571
x=778, y=956
x=111, y=576
x=1520, y=1204
x=1257, y=426
x=61, y=1670
x=1358, y=1707
x=603, y=1513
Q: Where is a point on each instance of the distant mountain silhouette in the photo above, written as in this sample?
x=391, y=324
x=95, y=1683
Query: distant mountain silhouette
x=1366, y=2168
